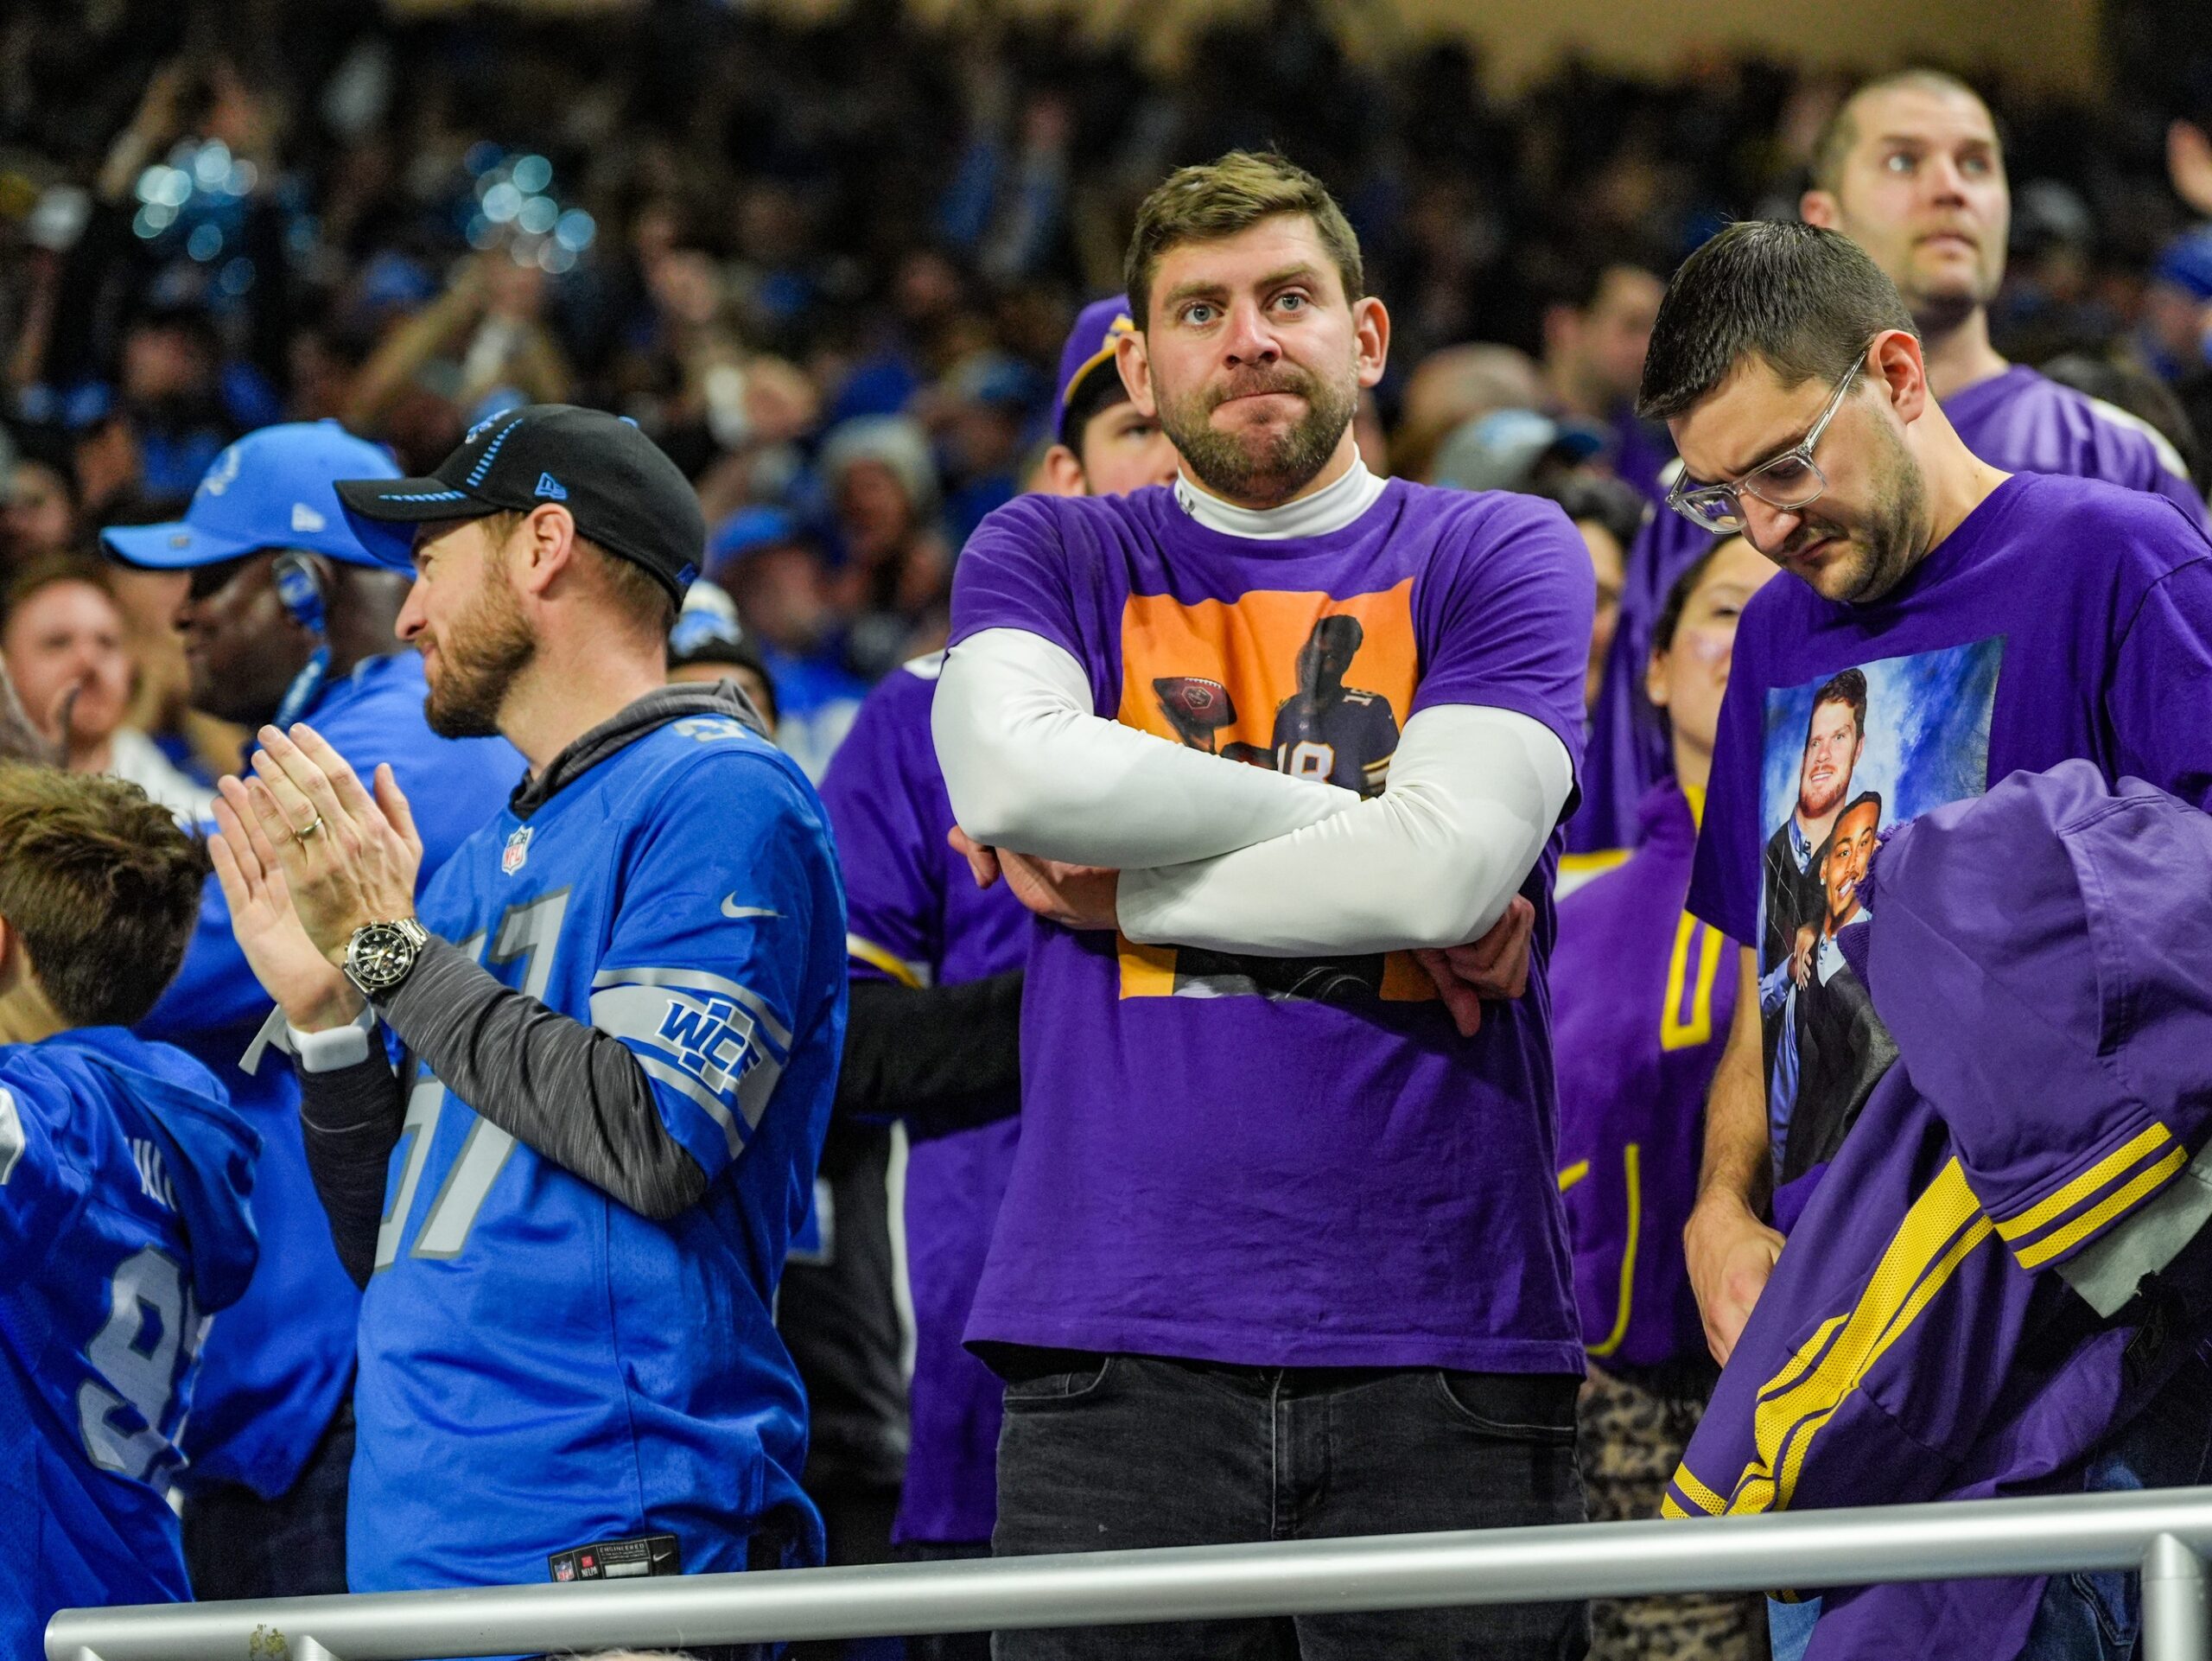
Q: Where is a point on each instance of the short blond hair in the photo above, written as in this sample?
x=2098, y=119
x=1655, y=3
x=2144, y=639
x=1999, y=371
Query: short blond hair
x=1220, y=199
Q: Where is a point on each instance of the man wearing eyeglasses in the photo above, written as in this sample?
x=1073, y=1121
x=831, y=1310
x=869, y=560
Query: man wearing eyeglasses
x=1911, y=168
x=1999, y=621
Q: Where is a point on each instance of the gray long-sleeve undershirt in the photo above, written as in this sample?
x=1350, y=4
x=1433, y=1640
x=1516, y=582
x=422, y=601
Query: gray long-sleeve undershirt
x=567, y=1091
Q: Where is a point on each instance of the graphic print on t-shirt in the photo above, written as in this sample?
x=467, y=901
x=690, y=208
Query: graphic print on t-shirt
x=1305, y=684
x=1843, y=760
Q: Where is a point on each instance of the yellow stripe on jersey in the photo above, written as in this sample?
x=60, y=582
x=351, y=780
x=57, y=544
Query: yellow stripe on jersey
x=1700, y=1496
x=2061, y=1241
x=875, y=957
x=2053, y=1206
x=1572, y=1174
x=1612, y=1342
x=1674, y=1033
x=1944, y=1226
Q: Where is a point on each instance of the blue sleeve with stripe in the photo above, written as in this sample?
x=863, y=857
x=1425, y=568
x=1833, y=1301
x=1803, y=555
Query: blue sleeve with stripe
x=708, y=965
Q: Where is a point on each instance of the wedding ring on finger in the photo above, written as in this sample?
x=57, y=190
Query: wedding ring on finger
x=312, y=828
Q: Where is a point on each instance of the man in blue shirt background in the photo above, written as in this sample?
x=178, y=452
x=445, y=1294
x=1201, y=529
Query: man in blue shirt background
x=288, y=617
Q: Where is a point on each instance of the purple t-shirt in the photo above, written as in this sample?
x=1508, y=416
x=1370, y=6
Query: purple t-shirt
x=1642, y=994
x=2019, y=421
x=915, y=915
x=2064, y=618
x=1265, y=1161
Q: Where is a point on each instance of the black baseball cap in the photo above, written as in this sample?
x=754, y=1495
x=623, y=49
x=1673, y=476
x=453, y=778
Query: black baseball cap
x=618, y=485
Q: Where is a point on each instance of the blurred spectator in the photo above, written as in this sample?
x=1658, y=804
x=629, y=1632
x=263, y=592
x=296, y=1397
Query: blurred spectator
x=984, y=411
x=1512, y=449
x=1608, y=513
x=1596, y=328
x=38, y=514
x=881, y=484
x=775, y=575
x=708, y=645
x=1452, y=387
x=61, y=636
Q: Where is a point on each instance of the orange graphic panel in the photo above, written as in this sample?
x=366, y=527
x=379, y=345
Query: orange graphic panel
x=1305, y=684
x=1250, y=647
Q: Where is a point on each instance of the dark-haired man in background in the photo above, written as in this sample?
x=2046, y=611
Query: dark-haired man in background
x=288, y=617
x=2016, y=620
x=1911, y=168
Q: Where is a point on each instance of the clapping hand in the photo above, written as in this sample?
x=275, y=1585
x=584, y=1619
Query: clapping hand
x=347, y=857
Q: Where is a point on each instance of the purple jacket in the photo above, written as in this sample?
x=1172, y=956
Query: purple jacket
x=2019, y=421
x=1641, y=997
x=1950, y=1317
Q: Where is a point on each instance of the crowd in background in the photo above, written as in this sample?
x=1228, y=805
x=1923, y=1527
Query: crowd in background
x=827, y=267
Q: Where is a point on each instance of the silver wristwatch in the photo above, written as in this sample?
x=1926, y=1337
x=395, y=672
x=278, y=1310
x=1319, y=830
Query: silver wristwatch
x=381, y=955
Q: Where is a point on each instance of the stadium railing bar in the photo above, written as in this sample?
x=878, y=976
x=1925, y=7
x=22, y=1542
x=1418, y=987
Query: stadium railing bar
x=2164, y=1532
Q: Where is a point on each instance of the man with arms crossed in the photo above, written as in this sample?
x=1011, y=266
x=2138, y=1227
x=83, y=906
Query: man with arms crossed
x=619, y=1015
x=1792, y=377
x=1282, y=1255
x=934, y=1031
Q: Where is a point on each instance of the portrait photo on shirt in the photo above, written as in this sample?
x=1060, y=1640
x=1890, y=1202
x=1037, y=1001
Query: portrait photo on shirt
x=1844, y=760
x=1298, y=683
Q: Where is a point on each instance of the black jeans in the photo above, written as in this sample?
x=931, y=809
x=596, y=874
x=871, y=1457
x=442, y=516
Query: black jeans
x=1102, y=1453
x=238, y=1545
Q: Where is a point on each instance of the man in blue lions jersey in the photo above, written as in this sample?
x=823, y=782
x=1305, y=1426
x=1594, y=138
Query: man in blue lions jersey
x=619, y=1013
x=123, y=1184
x=287, y=617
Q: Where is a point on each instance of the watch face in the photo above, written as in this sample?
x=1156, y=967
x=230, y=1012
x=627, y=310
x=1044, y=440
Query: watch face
x=380, y=956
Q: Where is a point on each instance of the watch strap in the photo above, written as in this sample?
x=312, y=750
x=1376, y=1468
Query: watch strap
x=335, y=1047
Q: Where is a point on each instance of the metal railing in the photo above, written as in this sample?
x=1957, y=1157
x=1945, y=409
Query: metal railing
x=2164, y=1533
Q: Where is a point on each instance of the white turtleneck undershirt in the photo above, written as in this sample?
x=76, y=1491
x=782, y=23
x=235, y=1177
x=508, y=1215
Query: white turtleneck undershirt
x=1214, y=853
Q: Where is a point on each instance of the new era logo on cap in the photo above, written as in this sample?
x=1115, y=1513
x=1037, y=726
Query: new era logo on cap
x=549, y=487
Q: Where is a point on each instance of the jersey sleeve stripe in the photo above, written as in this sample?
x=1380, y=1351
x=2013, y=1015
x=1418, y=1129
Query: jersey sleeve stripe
x=2100, y=1175
x=677, y=1079
x=862, y=950
x=698, y=980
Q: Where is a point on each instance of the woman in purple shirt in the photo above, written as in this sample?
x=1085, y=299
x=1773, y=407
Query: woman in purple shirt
x=1642, y=1006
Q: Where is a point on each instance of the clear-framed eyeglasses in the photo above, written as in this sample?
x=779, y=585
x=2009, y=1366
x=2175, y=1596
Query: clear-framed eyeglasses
x=1790, y=481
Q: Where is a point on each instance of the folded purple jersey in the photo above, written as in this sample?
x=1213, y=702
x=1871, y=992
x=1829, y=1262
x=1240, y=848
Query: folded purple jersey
x=2043, y=956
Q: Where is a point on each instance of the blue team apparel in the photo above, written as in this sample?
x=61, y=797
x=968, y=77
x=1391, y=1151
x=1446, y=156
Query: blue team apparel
x=276, y=1365
x=273, y=489
x=125, y=1220
x=541, y=1367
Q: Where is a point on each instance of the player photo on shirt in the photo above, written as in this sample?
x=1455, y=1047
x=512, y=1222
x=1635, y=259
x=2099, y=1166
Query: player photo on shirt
x=1845, y=760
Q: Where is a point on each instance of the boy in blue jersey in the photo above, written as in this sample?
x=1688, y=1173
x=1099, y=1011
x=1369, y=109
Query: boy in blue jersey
x=124, y=1185
x=286, y=616
x=618, y=1014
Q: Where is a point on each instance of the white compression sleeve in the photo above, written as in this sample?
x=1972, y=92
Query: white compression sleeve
x=1030, y=767
x=1474, y=793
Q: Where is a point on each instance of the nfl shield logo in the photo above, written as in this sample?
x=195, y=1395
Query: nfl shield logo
x=517, y=850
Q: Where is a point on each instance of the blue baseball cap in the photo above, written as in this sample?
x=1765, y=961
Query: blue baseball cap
x=273, y=489
x=1090, y=347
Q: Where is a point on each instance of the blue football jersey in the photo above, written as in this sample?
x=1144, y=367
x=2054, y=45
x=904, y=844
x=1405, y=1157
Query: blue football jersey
x=125, y=1222
x=277, y=1364
x=542, y=1368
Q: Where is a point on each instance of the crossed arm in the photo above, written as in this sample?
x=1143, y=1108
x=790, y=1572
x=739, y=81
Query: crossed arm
x=1096, y=824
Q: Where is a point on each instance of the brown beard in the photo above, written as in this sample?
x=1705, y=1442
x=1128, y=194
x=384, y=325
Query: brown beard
x=1270, y=468
x=487, y=647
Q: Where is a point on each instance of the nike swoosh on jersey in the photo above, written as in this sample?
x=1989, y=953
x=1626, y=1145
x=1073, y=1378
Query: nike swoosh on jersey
x=731, y=909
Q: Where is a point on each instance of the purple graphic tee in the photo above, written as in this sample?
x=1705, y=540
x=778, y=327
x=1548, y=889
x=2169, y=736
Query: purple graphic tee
x=2063, y=618
x=2019, y=421
x=1265, y=1161
x=1642, y=994
x=915, y=915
